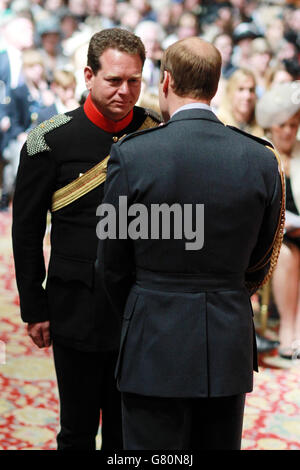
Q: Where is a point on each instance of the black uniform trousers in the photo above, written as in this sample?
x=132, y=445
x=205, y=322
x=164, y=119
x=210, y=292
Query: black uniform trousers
x=155, y=423
x=78, y=372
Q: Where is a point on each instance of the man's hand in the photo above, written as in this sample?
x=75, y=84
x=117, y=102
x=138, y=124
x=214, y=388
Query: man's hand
x=40, y=333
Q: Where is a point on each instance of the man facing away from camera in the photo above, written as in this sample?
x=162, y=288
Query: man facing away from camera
x=62, y=169
x=188, y=349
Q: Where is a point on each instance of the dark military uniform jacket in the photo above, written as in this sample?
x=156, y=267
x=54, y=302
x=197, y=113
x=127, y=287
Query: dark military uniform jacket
x=49, y=160
x=187, y=316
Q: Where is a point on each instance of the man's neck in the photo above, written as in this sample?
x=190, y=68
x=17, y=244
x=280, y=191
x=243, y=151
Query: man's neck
x=108, y=125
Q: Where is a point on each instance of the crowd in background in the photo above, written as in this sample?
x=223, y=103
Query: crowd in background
x=43, y=48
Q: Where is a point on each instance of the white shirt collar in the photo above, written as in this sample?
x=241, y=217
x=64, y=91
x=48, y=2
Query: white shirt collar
x=193, y=106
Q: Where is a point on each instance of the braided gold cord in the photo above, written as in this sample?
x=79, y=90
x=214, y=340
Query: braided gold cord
x=89, y=180
x=277, y=241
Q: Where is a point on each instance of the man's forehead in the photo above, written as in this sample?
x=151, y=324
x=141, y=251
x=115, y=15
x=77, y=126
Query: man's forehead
x=115, y=73
x=112, y=56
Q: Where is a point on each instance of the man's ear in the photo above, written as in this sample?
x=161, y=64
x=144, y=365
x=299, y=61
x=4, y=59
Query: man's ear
x=166, y=81
x=88, y=77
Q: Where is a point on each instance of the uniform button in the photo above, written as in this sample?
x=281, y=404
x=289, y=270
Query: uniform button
x=115, y=138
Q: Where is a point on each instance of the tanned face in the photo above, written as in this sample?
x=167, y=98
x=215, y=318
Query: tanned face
x=115, y=88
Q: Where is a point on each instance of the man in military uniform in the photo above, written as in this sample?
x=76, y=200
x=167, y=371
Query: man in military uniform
x=62, y=168
x=187, y=349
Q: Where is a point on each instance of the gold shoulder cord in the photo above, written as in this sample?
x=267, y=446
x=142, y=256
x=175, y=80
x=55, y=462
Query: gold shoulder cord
x=89, y=180
x=277, y=241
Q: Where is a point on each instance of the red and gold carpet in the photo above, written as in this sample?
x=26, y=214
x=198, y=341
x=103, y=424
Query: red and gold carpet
x=29, y=400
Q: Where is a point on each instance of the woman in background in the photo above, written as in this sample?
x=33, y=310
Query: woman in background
x=238, y=103
x=279, y=113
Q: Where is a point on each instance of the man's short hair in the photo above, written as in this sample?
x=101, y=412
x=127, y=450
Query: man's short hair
x=194, y=73
x=113, y=38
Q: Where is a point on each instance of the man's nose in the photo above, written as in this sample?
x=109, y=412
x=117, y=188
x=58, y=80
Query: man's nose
x=124, y=88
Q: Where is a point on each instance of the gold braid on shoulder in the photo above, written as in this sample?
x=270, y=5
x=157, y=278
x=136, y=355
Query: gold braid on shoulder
x=89, y=180
x=278, y=238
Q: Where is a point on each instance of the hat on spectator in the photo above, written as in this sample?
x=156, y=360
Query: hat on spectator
x=48, y=25
x=278, y=104
x=245, y=31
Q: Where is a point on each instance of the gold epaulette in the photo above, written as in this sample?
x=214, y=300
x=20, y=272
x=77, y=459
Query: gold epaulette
x=274, y=249
x=89, y=180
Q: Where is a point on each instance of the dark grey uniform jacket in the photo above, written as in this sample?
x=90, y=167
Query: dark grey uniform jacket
x=187, y=323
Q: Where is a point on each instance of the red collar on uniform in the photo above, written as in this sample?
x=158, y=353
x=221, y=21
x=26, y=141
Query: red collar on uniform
x=103, y=122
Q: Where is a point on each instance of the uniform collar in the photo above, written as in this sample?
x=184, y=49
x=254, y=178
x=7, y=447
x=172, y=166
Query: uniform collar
x=195, y=105
x=195, y=113
x=97, y=118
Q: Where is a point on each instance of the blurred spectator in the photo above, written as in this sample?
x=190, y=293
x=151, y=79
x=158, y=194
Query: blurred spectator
x=28, y=99
x=18, y=36
x=259, y=61
x=278, y=74
x=279, y=113
x=274, y=34
x=26, y=102
x=224, y=44
x=102, y=14
x=78, y=8
x=292, y=66
x=165, y=19
x=243, y=35
x=5, y=10
x=188, y=26
x=149, y=100
x=293, y=25
x=177, y=9
x=92, y=7
x=52, y=6
x=79, y=59
x=224, y=20
x=193, y=5
x=144, y=9
x=108, y=14
x=238, y=104
x=63, y=87
x=288, y=50
x=50, y=34
x=38, y=10
x=92, y=14
x=240, y=10
x=151, y=34
x=128, y=16
x=68, y=23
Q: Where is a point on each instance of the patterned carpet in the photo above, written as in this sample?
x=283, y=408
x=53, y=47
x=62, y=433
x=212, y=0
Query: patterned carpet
x=29, y=399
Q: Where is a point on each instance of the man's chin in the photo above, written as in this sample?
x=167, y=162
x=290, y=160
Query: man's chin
x=121, y=113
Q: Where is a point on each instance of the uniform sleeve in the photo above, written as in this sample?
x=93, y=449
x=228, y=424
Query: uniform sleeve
x=115, y=257
x=32, y=199
x=265, y=254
